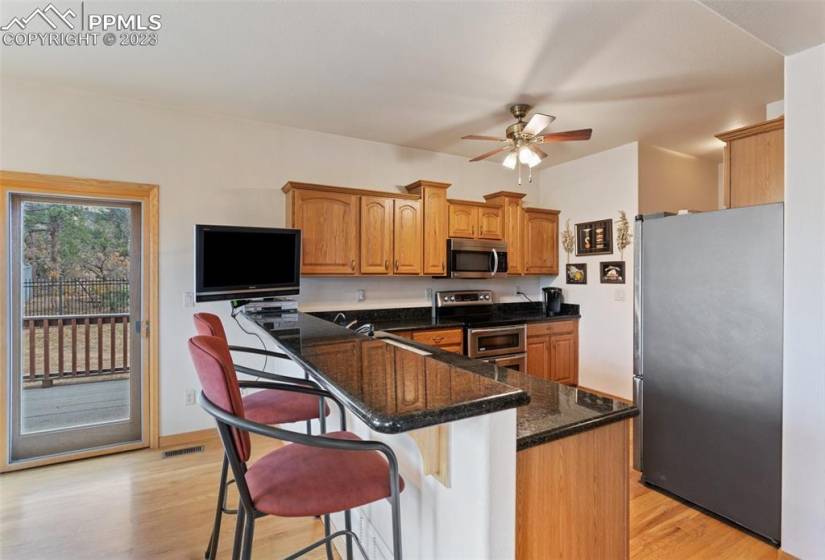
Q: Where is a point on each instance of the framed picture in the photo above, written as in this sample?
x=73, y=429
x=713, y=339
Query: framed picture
x=594, y=238
x=577, y=273
x=611, y=272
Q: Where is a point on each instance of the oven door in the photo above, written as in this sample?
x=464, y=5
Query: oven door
x=517, y=362
x=471, y=258
x=496, y=341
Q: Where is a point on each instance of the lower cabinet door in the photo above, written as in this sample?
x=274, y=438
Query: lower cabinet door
x=564, y=358
x=538, y=354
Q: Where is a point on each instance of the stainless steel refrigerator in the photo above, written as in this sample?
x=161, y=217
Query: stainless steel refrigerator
x=708, y=360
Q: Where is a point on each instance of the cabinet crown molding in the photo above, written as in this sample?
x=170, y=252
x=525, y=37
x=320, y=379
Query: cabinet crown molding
x=473, y=203
x=505, y=194
x=759, y=128
x=425, y=183
x=541, y=211
x=290, y=185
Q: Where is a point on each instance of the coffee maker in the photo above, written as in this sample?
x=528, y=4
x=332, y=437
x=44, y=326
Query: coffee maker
x=553, y=299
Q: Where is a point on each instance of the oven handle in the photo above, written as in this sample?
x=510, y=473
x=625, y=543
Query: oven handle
x=498, y=329
x=495, y=262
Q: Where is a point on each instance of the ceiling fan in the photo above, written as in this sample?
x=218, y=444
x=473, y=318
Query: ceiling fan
x=522, y=139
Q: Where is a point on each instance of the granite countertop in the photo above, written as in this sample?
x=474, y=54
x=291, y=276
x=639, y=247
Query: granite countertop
x=555, y=410
x=419, y=318
x=389, y=388
x=367, y=374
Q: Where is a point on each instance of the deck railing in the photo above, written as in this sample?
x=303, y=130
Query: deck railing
x=75, y=296
x=74, y=346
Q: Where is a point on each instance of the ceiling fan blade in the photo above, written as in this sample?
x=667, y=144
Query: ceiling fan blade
x=537, y=123
x=485, y=155
x=567, y=136
x=538, y=151
x=482, y=137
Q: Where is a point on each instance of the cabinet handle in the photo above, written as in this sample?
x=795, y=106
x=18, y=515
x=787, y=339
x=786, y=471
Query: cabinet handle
x=442, y=266
x=396, y=264
x=386, y=264
x=438, y=339
x=473, y=230
x=352, y=264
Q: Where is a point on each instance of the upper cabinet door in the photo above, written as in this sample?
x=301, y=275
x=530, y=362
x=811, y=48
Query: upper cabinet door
x=541, y=243
x=408, y=234
x=463, y=220
x=435, y=231
x=376, y=235
x=329, y=231
x=754, y=164
x=490, y=223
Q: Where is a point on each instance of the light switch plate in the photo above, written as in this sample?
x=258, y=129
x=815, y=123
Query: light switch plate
x=618, y=295
x=361, y=295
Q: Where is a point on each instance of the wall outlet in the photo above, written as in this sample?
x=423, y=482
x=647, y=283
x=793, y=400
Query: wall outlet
x=618, y=295
x=518, y=289
x=361, y=295
x=190, y=397
x=188, y=299
x=428, y=293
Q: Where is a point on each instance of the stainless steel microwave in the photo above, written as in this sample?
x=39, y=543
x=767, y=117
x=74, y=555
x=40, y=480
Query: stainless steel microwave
x=476, y=258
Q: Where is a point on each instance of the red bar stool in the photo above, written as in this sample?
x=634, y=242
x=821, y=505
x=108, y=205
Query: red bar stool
x=270, y=406
x=316, y=475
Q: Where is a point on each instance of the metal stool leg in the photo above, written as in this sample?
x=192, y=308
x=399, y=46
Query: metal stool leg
x=348, y=526
x=239, y=525
x=212, y=550
x=249, y=532
x=395, y=502
x=328, y=544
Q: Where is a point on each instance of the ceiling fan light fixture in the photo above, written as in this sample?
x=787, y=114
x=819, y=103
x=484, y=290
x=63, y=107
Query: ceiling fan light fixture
x=510, y=161
x=528, y=157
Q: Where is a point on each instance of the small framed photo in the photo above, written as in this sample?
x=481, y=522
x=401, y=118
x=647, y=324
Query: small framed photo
x=594, y=238
x=611, y=272
x=577, y=273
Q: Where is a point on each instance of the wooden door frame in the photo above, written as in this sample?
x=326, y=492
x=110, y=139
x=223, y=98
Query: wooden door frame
x=14, y=182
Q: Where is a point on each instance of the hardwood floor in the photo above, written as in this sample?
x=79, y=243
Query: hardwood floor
x=137, y=505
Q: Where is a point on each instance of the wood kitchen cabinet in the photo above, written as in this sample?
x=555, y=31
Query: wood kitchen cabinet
x=553, y=351
x=377, y=215
x=435, y=220
x=541, y=241
x=328, y=220
x=450, y=340
x=475, y=220
x=513, y=227
x=407, y=237
x=463, y=220
x=754, y=164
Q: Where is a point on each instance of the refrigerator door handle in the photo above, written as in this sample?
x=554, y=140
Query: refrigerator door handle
x=638, y=440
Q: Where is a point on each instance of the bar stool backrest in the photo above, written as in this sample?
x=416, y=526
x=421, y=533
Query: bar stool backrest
x=209, y=324
x=219, y=382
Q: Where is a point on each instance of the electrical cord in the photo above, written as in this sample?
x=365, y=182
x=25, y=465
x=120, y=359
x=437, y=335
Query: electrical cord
x=234, y=314
x=522, y=294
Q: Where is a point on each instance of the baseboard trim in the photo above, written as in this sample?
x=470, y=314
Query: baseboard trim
x=187, y=438
x=786, y=556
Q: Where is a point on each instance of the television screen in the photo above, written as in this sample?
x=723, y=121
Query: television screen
x=245, y=262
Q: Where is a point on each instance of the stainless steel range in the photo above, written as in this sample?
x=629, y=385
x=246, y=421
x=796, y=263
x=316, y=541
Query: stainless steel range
x=501, y=345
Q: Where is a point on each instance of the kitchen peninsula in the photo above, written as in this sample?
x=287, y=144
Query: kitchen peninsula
x=497, y=463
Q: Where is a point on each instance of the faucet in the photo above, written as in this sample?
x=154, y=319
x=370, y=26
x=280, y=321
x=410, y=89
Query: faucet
x=351, y=324
x=366, y=328
x=339, y=316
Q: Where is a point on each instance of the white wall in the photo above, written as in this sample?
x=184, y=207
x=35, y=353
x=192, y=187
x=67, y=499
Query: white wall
x=803, y=454
x=221, y=170
x=670, y=181
x=593, y=188
x=774, y=109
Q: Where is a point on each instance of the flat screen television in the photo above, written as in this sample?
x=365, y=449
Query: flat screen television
x=233, y=262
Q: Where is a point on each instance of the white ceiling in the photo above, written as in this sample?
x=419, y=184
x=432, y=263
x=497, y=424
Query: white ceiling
x=425, y=74
x=789, y=26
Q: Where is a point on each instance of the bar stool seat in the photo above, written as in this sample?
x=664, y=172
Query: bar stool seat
x=300, y=481
x=281, y=407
